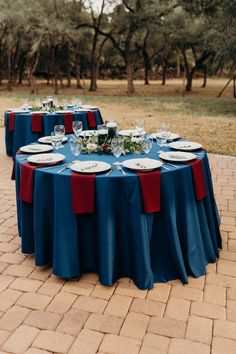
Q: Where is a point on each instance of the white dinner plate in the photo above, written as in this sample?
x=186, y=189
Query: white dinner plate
x=172, y=136
x=130, y=132
x=48, y=139
x=46, y=159
x=90, y=166
x=63, y=111
x=185, y=145
x=142, y=164
x=36, y=148
x=18, y=110
x=77, y=110
x=88, y=107
x=177, y=156
x=87, y=133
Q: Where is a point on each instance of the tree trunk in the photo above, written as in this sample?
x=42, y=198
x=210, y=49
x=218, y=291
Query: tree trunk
x=93, y=84
x=178, y=65
x=204, y=69
x=78, y=82
x=234, y=87
x=0, y=64
x=21, y=70
x=9, y=71
x=129, y=76
x=188, y=73
x=32, y=79
x=164, y=74
x=146, y=67
x=56, y=90
x=190, y=81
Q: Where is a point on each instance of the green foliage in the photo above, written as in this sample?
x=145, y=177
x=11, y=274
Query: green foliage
x=56, y=36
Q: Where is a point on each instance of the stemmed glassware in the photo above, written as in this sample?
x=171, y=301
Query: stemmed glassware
x=59, y=130
x=147, y=143
x=117, y=147
x=139, y=126
x=164, y=134
x=56, y=140
x=49, y=102
x=75, y=145
x=77, y=127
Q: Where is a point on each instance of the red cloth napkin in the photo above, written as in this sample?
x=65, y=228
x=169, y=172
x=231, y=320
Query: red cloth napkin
x=36, y=123
x=11, y=121
x=27, y=182
x=151, y=190
x=13, y=177
x=68, y=119
x=198, y=178
x=91, y=119
x=82, y=190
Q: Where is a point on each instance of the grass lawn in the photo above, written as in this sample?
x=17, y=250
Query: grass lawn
x=199, y=116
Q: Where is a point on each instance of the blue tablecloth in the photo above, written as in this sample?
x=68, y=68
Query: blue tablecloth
x=119, y=239
x=23, y=135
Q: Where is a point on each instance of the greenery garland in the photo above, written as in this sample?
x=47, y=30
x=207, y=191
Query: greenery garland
x=132, y=145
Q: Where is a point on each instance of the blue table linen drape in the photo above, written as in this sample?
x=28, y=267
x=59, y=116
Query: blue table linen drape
x=119, y=239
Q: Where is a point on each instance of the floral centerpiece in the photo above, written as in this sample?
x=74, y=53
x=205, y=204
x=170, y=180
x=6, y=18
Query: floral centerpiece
x=43, y=108
x=132, y=145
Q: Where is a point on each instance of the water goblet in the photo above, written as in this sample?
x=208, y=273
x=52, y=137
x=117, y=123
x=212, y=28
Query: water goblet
x=75, y=145
x=56, y=141
x=117, y=147
x=77, y=127
x=147, y=143
x=59, y=130
x=25, y=105
x=49, y=101
x=164, y=134
x=139, y=126
x=65, y=104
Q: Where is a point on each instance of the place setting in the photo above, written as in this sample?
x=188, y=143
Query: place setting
x=35, y=148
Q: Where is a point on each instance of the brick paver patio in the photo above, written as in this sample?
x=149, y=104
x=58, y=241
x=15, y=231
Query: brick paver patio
x=40, y=313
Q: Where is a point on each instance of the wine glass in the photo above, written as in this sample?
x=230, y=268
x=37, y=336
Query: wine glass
x=49, y=101
x=78, y=102
x=75, y=145
x=25, y=104
x=165, y=134
x=77, y=127
x=59, y=130
x=147, y=143
x=139, y=126
x=56, y=140
x=65, y=104
x=117, y=147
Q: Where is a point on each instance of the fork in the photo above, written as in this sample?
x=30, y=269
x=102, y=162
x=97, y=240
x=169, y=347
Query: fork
x=109, y=172
x=121, y=170
x=64, y=168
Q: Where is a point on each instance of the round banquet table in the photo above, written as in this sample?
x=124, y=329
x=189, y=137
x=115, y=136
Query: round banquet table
x=119, y=239
x=23, y=135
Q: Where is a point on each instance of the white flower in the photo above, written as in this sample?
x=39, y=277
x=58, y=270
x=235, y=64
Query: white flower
x=91, y=146
x=136, y=139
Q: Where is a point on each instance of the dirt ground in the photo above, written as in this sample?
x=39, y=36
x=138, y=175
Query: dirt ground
x=188, y=115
